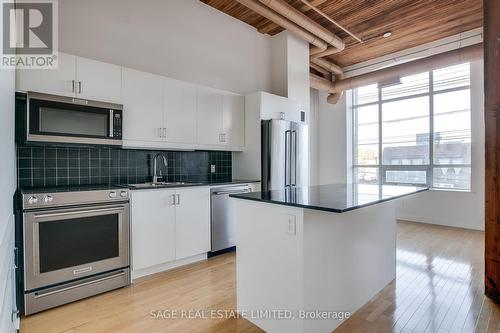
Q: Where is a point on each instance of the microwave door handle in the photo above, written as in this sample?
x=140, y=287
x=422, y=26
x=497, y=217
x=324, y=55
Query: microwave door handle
x=111, y=125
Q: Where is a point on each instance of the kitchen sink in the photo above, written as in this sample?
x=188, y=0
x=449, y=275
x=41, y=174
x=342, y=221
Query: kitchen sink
x=162, y=184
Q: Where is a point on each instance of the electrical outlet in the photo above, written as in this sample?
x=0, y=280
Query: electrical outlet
x=291, y=225
x=212, y=168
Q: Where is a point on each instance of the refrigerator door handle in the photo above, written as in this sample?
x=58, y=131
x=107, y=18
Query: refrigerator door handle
x=293, y=160
x=288, y=148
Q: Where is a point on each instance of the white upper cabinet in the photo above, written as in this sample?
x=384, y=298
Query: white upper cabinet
x=60, y=81
x=233, y=120
x=221, y=118
x=75, y=77
x=192, y=222
x=274, y=107
x=159, y=112
x=179, y=104
x=143, y=108
x=209, y=105
x=98, y=80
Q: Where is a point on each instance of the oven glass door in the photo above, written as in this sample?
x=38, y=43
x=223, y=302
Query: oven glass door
x=66, y=244
x=65, y=119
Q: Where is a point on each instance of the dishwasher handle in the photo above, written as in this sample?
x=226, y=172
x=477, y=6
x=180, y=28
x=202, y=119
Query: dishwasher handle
x=232, y=192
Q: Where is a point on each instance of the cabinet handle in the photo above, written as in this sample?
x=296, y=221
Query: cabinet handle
x=177, y=199
x=72, y=85
x=173, y=200
x=165, y=132
x=79, y=87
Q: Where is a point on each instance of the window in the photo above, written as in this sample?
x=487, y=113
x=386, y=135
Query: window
x=416, y=131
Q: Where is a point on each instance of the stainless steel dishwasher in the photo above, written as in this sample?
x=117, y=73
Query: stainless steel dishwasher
x=223, y=223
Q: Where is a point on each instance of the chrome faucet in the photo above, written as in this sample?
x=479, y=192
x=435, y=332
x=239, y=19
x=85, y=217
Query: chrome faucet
x=155, y=176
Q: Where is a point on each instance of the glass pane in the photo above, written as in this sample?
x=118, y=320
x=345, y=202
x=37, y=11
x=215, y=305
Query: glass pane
x=405, y=132
x=366, y=94
x=60, y=121
x=406, y=176
x=452, y=178
x=367, y=135
x=366, y=175
x=452, y=128
x=410, y=85
x=78, y=241
x=452, y=77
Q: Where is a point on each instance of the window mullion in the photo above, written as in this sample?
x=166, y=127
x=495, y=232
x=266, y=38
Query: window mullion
x=430, y=171
x=381, y=174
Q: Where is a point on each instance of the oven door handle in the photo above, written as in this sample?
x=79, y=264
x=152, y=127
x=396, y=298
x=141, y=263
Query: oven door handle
x=78, y=285
x=79, y=212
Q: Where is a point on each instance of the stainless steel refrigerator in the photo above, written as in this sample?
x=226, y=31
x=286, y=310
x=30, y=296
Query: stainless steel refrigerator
x=285, y=154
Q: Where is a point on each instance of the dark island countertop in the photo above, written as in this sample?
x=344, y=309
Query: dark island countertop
x=337, y=198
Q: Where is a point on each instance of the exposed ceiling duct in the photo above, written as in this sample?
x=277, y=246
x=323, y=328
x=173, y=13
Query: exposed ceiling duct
x=305, y=22
x=284, y=22
x=327, y=65
x=445, y=59
x=291, y=19
x=317, y=53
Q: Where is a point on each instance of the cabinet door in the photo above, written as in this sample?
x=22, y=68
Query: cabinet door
x=142, y=107
x=233, y=120
x=209, y=110
x=153, y=227
x=180, y=111
x=58, y=81
x=98, y=80
x=192, y=224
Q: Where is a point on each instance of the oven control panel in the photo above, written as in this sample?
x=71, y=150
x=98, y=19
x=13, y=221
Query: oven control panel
x=56, y=199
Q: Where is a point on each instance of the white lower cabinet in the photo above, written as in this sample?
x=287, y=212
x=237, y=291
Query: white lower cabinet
x=192, y=222
x=168, y=224
x=153, y=227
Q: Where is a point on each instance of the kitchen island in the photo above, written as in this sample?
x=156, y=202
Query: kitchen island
x=308, y=257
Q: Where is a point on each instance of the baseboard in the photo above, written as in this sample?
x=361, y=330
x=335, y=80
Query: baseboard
x=167, y=266
x=458, y=223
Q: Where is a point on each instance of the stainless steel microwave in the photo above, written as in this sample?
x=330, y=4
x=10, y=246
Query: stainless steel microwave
x=60, y=119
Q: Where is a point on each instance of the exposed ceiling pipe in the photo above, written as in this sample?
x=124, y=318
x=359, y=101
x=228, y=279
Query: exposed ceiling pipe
x=445, y=59
x=328, y=65
x=334, y=98
x=284, y=23
x=317, y=10
x=317, y=53
x=320, y=69
x=302, y=20
x=319, y=83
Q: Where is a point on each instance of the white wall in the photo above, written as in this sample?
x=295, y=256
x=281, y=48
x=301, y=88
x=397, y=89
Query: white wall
x=7, y=188
x=457, y=209
x=331, y=138
x=182, y=39
x=290, y=68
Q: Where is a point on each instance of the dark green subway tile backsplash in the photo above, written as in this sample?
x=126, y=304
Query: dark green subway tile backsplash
x=59, y=166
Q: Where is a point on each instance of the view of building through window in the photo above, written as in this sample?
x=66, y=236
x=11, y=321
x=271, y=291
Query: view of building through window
x=415, y=131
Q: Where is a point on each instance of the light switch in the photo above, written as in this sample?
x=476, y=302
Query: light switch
x=212, y=168
x=291, y=225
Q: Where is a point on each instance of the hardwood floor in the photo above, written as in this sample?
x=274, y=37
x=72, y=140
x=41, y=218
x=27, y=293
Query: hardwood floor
x=439, y=288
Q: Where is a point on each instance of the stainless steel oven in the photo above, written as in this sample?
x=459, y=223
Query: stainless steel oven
x=60, y=119
x=76, y=244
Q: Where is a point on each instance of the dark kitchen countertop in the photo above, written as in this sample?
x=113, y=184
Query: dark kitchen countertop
x=337, y=198
x=76, y=188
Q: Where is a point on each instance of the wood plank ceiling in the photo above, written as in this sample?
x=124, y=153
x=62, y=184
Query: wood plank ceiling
x=411, y=22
